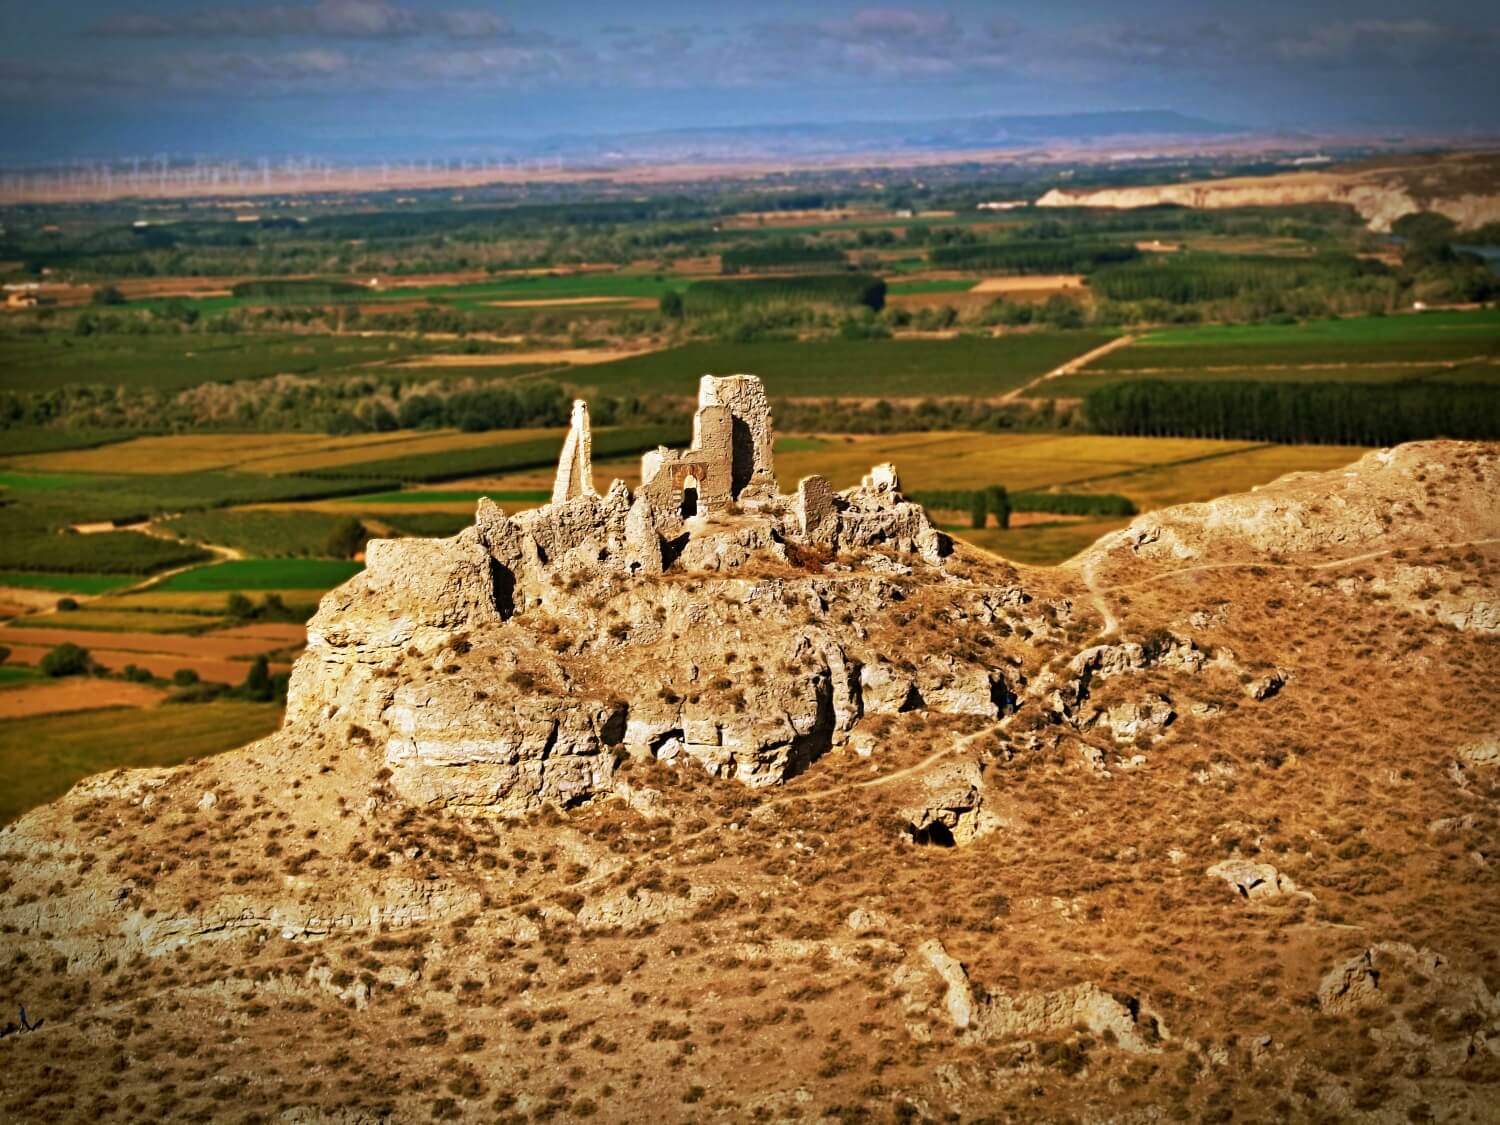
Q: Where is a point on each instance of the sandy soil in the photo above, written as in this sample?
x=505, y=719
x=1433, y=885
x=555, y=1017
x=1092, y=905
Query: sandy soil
x=1030, y=284
x=558, y=302
x=544, y=355
x=27, y=600
x=77, y=693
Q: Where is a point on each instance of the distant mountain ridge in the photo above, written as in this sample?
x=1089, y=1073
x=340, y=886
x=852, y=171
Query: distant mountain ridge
x=926, y=135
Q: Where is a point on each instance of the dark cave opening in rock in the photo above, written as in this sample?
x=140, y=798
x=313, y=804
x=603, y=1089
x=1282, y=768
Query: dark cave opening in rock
x=935, y=834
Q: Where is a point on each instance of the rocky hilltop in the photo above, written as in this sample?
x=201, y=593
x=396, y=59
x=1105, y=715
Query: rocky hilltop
x=713, y=803
x=1462, y=187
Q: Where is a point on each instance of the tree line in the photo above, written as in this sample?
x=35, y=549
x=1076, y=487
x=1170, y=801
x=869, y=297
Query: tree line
x=1295, y=413
x=1037, y=256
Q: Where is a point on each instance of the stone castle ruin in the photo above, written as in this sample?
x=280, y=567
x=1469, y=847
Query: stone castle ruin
x=728, y=470
x=585, y=628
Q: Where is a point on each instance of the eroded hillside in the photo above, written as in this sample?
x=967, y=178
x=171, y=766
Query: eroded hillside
x=1461, y=186
x=1200, y=826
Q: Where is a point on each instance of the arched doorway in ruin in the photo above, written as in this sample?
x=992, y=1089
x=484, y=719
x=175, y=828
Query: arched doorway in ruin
x=689, y=496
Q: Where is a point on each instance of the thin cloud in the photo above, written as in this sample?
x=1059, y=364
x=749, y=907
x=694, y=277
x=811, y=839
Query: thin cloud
x=329, y=19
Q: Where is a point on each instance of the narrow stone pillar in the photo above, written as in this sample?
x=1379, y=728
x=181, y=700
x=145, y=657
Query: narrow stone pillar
x=575, y=469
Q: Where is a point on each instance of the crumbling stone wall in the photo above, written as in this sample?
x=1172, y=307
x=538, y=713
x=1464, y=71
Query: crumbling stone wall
x=752, y=474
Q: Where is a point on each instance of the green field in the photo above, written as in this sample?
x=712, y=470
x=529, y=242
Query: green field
x=476, y=295
x=17, y=442
x=931, y=285
x=176, y=362
x=42, y=758
x=1425, y=337
x=262, y=574
x=65, y=583
x=39, y=482
x=293, y=532
x=975, y=366
x=17, y=674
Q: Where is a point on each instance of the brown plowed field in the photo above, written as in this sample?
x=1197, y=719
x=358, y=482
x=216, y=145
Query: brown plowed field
x=76, y=693
x=157, y=663
x=218, y=646
x=270, y=632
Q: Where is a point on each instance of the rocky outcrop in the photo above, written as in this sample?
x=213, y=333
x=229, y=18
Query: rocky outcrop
x=1008, y=1017
x=1416, y=494
x=453, y=743
x=1379, y=195
x=1252, y=881
x=947, y=807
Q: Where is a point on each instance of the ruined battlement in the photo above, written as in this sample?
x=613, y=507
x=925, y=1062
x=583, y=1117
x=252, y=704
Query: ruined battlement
x=730, y=463
x=729, y=467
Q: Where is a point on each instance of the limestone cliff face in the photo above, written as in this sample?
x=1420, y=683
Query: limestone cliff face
x=1380, y=198
x=513, y=665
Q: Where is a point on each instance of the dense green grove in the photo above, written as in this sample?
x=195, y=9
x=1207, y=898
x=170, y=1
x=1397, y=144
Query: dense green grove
x=1313, y=413
x=1060, y=255
x=781, y=254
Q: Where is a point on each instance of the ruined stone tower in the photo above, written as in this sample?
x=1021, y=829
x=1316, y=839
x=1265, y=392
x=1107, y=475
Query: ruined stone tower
x=575, y=469
x=730, y=458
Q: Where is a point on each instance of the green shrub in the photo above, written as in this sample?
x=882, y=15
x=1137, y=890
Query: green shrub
x=67, y=605
x=185, y=677
x=66, y=660
x=979, y=510
x=346, y=539
x=999, y=501
x=258, y=685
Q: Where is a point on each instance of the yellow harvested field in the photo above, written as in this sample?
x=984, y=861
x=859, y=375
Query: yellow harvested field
x=1188, y=483
x=402, y=443
x=265, y=453
x=189, y=453
x=1018, y=461
x=76, y=693
x=573, y=356
x=1030, y=284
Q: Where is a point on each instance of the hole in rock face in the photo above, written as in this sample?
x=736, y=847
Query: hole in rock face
x=689, y=497
x=935, y=835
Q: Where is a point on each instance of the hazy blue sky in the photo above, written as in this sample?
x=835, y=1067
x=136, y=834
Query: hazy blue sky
x=105, y=77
